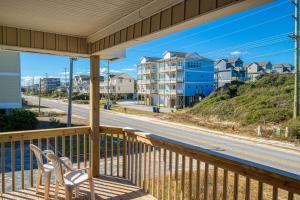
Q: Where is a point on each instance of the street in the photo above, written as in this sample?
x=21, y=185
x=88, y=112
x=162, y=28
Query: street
x=279, y=158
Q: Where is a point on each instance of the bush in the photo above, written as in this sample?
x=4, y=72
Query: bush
x=18, y=120
x=294, y=126
x=267, y=100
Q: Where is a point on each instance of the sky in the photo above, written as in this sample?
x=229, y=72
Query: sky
x=259, y=34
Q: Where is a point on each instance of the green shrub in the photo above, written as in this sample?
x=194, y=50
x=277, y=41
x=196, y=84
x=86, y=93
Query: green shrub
x=294, y=126
x=18, y=120
x=269, y=99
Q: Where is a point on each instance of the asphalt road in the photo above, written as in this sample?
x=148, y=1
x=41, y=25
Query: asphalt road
x=275, y=157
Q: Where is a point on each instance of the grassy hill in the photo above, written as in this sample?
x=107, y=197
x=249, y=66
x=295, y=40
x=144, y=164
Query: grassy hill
x=267, y=100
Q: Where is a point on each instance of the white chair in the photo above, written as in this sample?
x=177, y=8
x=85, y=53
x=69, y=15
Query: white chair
x=46, y=168
x=71, y=179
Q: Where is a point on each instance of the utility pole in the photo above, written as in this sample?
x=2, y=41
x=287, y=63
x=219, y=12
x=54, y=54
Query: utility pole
x=69, y=121
x=40, y=89
x=66, y=87
x=295, y=36
x=108, y=79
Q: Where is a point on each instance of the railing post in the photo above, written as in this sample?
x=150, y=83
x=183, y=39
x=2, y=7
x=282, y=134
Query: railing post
x=124, y=153
x=94, y=114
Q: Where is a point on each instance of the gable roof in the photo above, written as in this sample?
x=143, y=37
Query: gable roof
x=227, y=60
x=150, y=59
x=263, y=63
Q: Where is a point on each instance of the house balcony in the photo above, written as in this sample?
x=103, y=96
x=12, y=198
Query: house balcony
x=154, y=91
x=138, y=165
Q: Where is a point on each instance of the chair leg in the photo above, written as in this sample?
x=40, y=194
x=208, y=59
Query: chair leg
x=68, y=193
x=56, y=190
x=77, y=191
x=47, y=184
x=38, y=180
x=92, y=188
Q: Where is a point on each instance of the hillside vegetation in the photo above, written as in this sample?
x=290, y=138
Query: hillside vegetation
x=267, y=100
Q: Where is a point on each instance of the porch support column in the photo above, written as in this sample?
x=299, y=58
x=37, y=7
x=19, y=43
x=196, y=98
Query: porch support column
x=94, y=114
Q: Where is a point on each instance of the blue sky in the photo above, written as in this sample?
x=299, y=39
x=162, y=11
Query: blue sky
x=255, y=35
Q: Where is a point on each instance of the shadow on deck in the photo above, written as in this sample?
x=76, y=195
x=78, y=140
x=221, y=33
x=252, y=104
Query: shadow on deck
x=105, y=188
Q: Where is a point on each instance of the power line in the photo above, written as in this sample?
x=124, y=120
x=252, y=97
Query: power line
x=218, y=26
x=254, y=43
x=238, y=31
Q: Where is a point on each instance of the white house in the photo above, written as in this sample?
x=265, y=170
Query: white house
x=258, y=68
x=10, y=80
x=120, y=84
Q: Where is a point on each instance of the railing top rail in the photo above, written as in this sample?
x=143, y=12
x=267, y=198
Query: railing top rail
x=42, y=133
x=265, y=174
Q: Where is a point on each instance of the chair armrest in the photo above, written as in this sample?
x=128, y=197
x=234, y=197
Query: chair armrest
x=47, y=151
x=87, y=169
x=66, y=165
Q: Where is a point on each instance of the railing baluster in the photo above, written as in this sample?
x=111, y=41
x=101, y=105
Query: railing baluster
x=12, y=148
x=56, y=145
x=191, y=179
x=71, y=148
x=48, y=143
x=111, y=154
x=225, y=184
x=164, y=191
x=22, y=163
x=140, y=164
x=183, y=178
x=158, y=190
x=105, y=154
x=136, y=147
x=275, y=193
x=215, y=186
x=129, y=158
x=247, y=193
x=40, y=143
x=132, y=159
x=84, y=149
x=170, y=174
x=63, y=141
x=290, y=196
x=236, y=186
x=31, y=166
x=145, y=163
x=176, y=188
x=260, y=191
x=78, y=151
x=206, y=181
x=124, y=154
x=149, y=168
x=3, y=166
x=118, y=154
x=154, y=171
x=198, y=180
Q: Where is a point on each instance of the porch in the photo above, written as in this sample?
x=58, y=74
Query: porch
x=106, y=187
x=136, y=165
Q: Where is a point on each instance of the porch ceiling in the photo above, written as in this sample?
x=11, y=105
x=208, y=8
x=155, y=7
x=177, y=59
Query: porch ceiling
x=70, y=17
x=83, y=28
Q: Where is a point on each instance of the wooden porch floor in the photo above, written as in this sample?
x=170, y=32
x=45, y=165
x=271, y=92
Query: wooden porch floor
x=105, y=188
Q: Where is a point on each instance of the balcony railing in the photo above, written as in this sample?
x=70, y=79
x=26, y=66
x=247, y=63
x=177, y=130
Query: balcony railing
x=162, y=167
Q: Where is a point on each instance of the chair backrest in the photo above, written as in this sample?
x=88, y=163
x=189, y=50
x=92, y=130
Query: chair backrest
x=39, y=156
x=58, y=170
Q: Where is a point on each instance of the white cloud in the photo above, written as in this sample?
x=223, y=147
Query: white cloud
x=238, y=53
x=129, y=69
x=114, y=71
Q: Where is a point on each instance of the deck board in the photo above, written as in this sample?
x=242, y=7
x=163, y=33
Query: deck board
x=105, y=188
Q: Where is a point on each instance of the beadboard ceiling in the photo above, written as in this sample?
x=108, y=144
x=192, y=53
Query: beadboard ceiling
x=70, y=17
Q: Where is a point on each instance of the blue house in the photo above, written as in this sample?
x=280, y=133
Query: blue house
x=177, y=80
